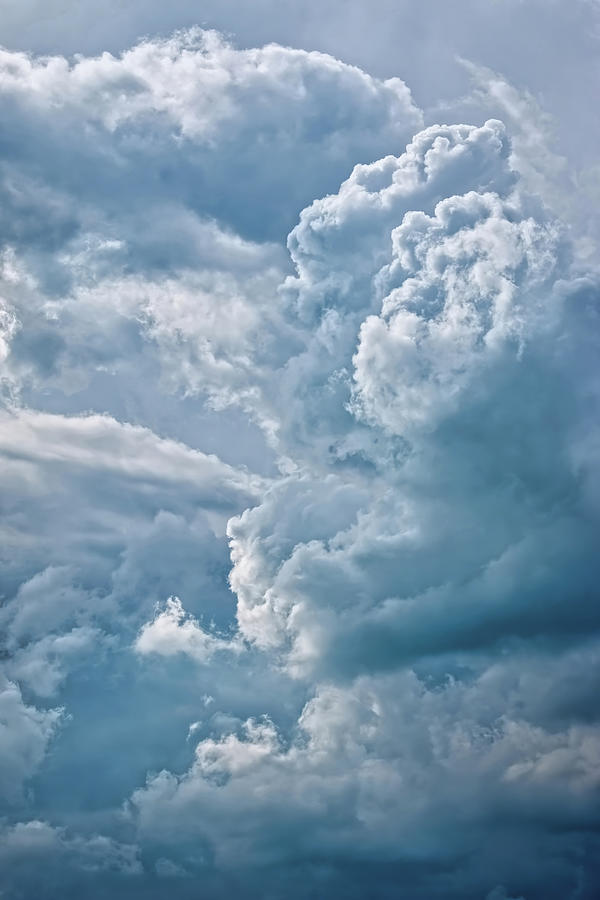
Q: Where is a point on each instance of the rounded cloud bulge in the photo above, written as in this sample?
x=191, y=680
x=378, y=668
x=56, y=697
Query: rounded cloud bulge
x=300, y=490
x=438, y=408
x=191, y=121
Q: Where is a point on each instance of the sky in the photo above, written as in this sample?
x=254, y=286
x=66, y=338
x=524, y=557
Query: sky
x=299, y=427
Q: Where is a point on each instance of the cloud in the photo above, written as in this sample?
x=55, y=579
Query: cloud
x=168, y=172
x=172, y=632
x=104, y=461
x=40, y=666
x=540, y=151
x=354, y=788
x=65, y=857
x=80, y=579
x=457, y=308
x=456, y=333
x=426, y=635
x=101, y=443
x=26, y=732
x=341, y=248
x=385, y=684
x=233, y=132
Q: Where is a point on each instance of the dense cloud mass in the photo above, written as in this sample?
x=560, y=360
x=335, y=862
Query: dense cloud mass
x=300, y=484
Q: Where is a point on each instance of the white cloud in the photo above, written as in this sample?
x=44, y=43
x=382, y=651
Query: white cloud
x=172, y=632
x=101, y=443
x=460, y=306
x=189, y=125
x=386, y=768
x=202, y=86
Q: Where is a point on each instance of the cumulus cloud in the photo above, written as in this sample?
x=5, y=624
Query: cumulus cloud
x=457, y=309
x=471, y=352
x=80, y=578
x=352, y=782
x=341, y=249
x=233, y=136
x=301, y=538
x=172, y=632
x=164, y=236
x=454, y=532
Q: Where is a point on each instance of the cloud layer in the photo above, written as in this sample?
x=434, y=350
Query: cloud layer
x=300, y=487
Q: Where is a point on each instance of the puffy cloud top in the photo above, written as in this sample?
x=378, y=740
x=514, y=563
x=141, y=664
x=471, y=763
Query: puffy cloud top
x=191, y=121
